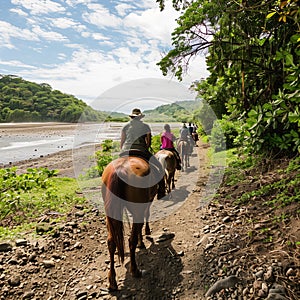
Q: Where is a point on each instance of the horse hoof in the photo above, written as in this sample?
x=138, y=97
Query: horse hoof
x=141, y=246
x=150, y=238
x=137, y=274
x=113, y=287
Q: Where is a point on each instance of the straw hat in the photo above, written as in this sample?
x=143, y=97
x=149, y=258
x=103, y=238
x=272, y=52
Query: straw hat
x=136, y=112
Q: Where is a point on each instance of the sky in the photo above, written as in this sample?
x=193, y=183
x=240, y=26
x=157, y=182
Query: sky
x=95, y=50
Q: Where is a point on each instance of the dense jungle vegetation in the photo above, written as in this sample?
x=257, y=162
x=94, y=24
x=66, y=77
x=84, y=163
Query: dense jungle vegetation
x=25, y=101
x=252, y=53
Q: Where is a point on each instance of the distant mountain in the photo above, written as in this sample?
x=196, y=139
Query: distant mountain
x=25, y=101
x=180, y=111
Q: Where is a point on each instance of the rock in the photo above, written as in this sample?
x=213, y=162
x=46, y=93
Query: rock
x=5, y=247
x=273, y=296
x=79, y=214
x=21, y=242
x=165, y=236
x=77, y=245
x=14, y=281
x=226, y=219
x=264, y=287
x=290, y=272
x=222, y=284
x=48, y=263
x=81, y=295
x=269, y=274
x=43, y=228
x=208, y=246
x=28, y=295
x=257, y=285
x=259, y=274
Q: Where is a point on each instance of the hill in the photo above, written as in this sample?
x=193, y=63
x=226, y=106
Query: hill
x=25, y=101
x=179, y=111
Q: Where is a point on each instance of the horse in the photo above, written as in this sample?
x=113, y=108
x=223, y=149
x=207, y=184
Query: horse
x=127, y=182
x=195, y=137
x=184, y=152
x=168, y=161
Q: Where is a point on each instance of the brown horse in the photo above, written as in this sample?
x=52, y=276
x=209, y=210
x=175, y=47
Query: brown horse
x=184, y=152
x=127, y=183
x=168, y=161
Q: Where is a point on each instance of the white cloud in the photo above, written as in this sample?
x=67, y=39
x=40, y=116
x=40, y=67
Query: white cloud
x=101, y=17
x=63, y=23
x=9, y=31
x=38, y=7
x=123, y=8
x=16, y=64
x=19, y=11
x=73, y=3
x=48, y=35
x=162, y=23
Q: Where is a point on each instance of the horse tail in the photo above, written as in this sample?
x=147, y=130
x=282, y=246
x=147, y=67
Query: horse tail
x=162, y=159
x=112, y=192
x=116, y=229
x=181, y=149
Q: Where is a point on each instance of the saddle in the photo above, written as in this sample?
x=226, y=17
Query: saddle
x=155, y=167
x=136, y=153
x=147, y=156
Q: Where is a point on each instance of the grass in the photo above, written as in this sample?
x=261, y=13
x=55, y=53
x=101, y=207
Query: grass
x=26, y=198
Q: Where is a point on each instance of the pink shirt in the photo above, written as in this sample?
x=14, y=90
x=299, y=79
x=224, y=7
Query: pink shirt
x=167, y=139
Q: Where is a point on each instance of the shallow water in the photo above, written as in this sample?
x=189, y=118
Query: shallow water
x=40, y=139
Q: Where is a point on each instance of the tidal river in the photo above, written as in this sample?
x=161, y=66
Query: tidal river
x=20, y=141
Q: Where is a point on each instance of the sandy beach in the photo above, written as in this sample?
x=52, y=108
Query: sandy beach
x=62, y=159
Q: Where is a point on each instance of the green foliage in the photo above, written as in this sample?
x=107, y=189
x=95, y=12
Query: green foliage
x=155, y=143
x=22, y=100
x=278, y=193
x=274, y=127
x=103, y=157
x=253, y=59
x=32, y=194
x=224, y=134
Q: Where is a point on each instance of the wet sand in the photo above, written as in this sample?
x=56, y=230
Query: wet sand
x=57, y=158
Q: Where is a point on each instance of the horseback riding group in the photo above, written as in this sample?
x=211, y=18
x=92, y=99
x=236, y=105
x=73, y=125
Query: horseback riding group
x=134, y=179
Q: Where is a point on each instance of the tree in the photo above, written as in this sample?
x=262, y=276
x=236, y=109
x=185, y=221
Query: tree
x=252, y=53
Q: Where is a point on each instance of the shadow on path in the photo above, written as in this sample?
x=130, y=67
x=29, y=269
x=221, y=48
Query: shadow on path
x=162, y=274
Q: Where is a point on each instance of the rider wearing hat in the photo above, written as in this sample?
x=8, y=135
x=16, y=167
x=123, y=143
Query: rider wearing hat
x=136, y=141
x=136, y=134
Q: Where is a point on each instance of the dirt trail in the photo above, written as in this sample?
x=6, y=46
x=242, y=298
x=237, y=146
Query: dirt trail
x=80, y=257
x=72, y=263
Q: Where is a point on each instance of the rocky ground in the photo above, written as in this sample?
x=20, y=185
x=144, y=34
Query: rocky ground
x=203, y=250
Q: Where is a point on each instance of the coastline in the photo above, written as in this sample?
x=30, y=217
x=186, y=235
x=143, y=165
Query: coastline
x=61, y=159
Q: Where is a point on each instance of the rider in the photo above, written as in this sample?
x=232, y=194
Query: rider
x=184, y=133
x=186, y=136
x=167, y=138
x=136, y=140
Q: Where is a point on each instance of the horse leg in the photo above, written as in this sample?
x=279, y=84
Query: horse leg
x=112, y=273
x=173, y=180
x=147, y=217
x=168, y=180
x=133, y=241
